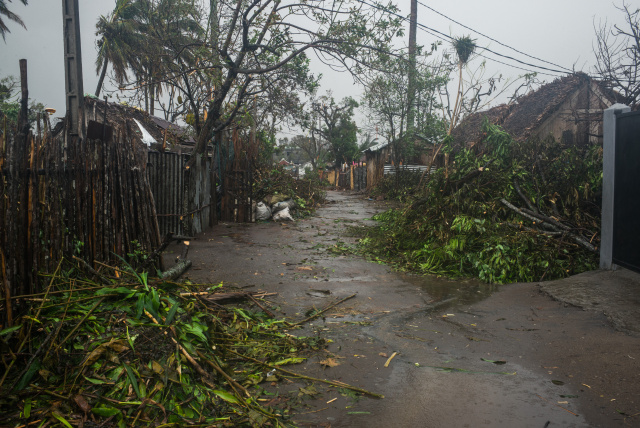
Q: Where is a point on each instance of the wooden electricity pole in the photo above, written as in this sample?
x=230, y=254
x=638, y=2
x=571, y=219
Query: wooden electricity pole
x=73, y=68
x=411, y=96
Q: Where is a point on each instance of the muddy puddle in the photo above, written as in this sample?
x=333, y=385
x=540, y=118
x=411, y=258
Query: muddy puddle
x=445, y=293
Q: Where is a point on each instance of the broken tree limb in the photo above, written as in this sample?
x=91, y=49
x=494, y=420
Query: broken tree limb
x=519, y=211
x=583, y=242
x=214, y=297
x=554, y=224
x=549, y=220
x=524, y=197
x=173, y=273
x=531, y=229
x=207, y=295
x=316, y=315
x=577, y=238
x=290, y=373
x=390, y=358
x=265, y=310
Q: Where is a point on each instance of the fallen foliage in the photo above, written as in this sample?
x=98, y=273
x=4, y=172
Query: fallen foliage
x=514, y=212
x=138, y=351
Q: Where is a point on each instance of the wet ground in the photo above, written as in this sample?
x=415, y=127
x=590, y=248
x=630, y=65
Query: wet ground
x=468, y=354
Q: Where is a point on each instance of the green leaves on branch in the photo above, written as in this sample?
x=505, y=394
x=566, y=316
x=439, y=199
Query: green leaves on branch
x=140, y=357
x=456, y=225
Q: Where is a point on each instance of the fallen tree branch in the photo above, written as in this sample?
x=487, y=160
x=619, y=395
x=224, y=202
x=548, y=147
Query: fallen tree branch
x=265, y=310
x=554, y=224
x=173, y=273
x=524, y=197
x=531, y=229
x=519, y=211
x=577, y=238
x=316, y=315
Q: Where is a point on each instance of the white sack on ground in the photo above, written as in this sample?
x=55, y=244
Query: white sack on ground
x=283, y=215
x=263, y=212
x=282, y=205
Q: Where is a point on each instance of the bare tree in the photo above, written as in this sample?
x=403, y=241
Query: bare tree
x=617, y=51
x=263, y=41
x=313, y=147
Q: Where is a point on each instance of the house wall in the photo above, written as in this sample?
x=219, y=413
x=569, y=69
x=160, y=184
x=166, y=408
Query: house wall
x=578, y=120
x=375, y=166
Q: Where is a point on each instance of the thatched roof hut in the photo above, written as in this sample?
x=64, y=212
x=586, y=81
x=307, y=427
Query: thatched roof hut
x=156, y=133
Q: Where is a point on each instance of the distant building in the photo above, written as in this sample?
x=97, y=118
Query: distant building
x=568, y=109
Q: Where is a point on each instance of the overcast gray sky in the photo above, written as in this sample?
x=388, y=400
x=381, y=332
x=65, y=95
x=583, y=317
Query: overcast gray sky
x=558, y=31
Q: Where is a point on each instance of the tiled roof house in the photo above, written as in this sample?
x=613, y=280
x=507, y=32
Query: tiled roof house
x=568, y=109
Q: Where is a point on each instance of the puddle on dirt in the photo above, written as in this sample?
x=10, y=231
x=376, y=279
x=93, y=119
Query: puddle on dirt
x=344, y=279
x=447, y=293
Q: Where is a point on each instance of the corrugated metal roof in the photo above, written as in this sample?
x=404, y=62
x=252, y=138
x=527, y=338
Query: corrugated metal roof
x=377, y=147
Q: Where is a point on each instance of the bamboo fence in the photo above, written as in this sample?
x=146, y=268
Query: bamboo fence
x=61, y=196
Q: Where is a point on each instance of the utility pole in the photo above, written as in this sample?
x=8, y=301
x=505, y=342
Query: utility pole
x=73, y=68
x=411, y=96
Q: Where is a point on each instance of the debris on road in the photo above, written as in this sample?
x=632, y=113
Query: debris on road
x=142, y=352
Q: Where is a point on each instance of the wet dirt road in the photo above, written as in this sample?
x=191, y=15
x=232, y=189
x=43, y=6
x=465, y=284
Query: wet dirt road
x=559, y=366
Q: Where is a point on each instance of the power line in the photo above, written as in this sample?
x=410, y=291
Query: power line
x=443, y=36
x=493, y=59
x=492, y=39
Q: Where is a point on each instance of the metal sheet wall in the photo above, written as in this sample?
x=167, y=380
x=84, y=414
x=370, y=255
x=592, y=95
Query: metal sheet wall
x=626, y=197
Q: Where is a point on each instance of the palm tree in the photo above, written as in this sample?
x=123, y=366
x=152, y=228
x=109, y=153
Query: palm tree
x=4, y=11
x=119, y=42
x=464, y=47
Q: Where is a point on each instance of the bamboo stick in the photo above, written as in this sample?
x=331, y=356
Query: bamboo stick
x=324, y=310
x=329, y=382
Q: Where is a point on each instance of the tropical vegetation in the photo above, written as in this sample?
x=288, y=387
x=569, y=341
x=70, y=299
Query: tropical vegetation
x=514, y=212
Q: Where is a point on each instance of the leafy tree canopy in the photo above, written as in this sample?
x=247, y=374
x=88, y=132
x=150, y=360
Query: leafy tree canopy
x=223, y=60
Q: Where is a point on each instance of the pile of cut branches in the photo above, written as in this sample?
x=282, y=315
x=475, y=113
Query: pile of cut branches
x=136, y=351
x=514, y=212
x=306, y=191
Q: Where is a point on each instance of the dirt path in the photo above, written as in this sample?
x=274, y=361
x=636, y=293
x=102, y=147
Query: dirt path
x=563, y=366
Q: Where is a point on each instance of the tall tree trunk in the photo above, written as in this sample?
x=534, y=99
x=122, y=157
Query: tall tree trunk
x=152, y=93
x=146, y=98
x=412, y=67
x=103, y=73
x=152, y=101
x=456, y=107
